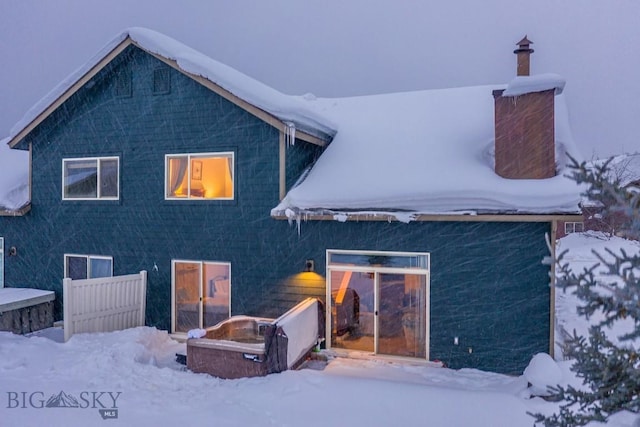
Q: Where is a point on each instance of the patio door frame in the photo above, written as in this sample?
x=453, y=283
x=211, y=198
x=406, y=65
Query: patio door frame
x=377, y=271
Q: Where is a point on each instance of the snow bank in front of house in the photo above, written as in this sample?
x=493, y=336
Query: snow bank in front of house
x=14, y=177
x=154, y=390
x=424, y=152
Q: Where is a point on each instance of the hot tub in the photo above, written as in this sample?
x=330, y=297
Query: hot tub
x=244, y=346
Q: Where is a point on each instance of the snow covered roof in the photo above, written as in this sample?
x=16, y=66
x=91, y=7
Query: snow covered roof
x=424, y=152
x=14, y=180
x=626, y=168
x=284, y=107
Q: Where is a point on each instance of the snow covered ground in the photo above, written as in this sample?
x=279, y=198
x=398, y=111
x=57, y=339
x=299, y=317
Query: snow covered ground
x=133, y=375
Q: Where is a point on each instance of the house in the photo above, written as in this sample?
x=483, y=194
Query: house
x=238, y=199
x=622, y=171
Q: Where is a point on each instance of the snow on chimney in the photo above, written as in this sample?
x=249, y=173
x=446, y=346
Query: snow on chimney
x=524, y=122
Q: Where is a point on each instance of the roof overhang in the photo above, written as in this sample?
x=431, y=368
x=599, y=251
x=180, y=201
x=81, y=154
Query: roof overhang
x=394, y=217
x=18, y=212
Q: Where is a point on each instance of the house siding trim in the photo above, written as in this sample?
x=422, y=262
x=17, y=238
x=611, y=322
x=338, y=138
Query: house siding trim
x=282, y=166
x=551, y=242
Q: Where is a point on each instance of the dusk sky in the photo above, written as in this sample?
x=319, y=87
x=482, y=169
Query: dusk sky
x=340, y=48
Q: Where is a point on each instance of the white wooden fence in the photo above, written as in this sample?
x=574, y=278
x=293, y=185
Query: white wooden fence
x=104, y=304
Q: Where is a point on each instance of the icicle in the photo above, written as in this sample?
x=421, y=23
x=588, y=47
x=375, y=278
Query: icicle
x=298, y=221
x=290, y=133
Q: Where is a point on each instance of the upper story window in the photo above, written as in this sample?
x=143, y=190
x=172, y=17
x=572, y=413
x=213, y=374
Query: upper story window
x=91, y=178
x=573, y=227
x=204, y=176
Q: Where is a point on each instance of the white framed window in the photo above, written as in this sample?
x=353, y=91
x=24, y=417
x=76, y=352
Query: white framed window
x=200, y=294
x=79, y=267
x=573, y=227
x=202, y=176
x=91, y=178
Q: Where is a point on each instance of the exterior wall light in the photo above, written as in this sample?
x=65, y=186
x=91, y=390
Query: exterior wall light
x=309, y=265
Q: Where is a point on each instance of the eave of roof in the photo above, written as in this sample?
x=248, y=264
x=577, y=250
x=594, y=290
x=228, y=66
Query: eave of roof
x=447, y=217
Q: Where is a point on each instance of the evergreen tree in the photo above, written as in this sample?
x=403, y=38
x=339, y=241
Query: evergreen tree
x=608, y=366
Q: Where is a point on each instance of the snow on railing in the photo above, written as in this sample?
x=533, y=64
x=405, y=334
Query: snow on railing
x=104, y=304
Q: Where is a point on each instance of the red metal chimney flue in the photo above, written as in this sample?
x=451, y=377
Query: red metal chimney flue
x=524, y=56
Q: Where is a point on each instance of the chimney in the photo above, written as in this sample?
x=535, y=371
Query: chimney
x=524, y=55
x=524, y=126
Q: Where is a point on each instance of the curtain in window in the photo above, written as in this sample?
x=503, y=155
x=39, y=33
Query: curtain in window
x=177, y=171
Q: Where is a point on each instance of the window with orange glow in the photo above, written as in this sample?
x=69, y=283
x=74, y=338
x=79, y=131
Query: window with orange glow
x=205, y=176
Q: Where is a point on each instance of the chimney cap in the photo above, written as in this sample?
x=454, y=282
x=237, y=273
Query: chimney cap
x=523, y=46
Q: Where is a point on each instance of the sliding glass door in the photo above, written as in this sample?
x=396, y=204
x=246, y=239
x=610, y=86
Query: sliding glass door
x=402, y=315
x=201, y=294
x=379, y=302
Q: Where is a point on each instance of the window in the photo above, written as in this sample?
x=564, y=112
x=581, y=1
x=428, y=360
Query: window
x=161, y=81
x=90, y=178
x=206, y=176
x=78, y=267
x=201, y=294
x=573, y=227
x=123, y=87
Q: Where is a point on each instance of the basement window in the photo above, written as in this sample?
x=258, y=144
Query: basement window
x=78, y=267
x=205, y=176
x=161, y=81
x=91, y=178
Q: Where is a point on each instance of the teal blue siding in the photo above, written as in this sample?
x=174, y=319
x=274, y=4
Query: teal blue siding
x=488, y=286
